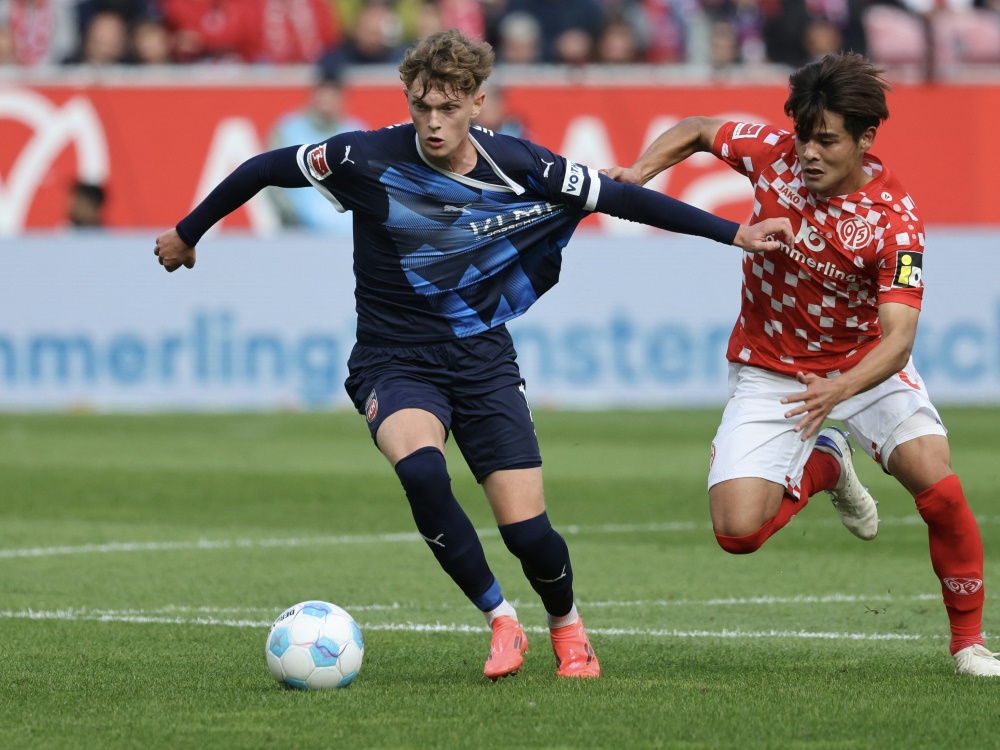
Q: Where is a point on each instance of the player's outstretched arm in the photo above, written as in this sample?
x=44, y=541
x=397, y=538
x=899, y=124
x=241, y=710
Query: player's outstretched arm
x=175, y=247
x=689, y=136
x=634, y=203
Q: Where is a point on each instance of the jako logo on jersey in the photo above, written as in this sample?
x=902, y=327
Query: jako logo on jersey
x=855, y=233
x=964, y=586
x=573, y=181
x=316, y=159
x=371, y=407
x=791, y=196
x=909, y=269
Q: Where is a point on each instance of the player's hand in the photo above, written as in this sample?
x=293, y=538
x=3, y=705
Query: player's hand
x=623, y=174
x=172, y=251
x=769, y=234
x=815, y=402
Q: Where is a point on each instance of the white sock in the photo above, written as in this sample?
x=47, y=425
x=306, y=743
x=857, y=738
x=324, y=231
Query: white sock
x=504, y=609
x=560, y=622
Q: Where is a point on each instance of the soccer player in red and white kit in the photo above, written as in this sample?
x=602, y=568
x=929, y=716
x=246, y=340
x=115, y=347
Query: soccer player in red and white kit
x=825, y=330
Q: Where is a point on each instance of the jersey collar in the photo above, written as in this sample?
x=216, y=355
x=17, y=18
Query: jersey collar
x=511, y=186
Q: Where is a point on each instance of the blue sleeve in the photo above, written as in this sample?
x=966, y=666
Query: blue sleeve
x=277, y=168
x=585, y=188
x=645, y=206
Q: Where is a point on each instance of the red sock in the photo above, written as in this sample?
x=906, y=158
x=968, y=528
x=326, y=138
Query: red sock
x=957, y=557
x=821, y=472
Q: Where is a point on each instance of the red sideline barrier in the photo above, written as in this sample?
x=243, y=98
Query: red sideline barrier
x=159, y=148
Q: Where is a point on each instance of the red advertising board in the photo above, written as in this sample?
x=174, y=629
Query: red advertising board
x=159, y=148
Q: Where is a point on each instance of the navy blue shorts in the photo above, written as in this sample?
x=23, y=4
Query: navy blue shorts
x=473, y=385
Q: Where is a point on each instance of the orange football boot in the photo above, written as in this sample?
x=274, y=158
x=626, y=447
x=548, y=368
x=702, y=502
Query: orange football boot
x=574, y=655
x=507, y=647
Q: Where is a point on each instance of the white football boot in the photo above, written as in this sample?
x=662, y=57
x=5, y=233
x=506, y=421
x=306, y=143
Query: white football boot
x=977, y=660
x=857, y=508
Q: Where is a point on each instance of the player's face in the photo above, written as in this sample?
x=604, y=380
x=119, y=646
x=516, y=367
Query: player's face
x=831, y=159
x=442, y=121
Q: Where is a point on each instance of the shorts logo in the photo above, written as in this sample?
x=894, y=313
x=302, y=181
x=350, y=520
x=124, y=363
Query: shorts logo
x=909, y=269
x=964, y=586
x=573, y=181
x=711, y=456
x=371, y=407
x=316, y=159
x=855, y=233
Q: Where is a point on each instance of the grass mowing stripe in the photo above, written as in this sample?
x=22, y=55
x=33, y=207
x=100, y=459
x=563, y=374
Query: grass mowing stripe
x=175, y=609
x=460, y=628
x=390, y=538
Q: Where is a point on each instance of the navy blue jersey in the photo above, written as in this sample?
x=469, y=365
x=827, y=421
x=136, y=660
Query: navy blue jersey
x=438, y=255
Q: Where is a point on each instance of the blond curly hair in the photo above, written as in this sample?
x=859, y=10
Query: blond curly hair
x=448, y=61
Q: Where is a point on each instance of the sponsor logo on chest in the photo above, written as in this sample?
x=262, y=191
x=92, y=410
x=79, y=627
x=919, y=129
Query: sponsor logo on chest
x=511, y=220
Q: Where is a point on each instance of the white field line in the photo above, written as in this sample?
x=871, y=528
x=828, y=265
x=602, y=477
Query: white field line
x=183, y=613
x=394, y=538
x=413, y=627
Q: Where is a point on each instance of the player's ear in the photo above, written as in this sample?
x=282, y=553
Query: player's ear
x=477, y=102
x=868, y=138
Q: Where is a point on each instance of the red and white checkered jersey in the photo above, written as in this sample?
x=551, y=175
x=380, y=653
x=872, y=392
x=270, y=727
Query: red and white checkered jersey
x=813, y=308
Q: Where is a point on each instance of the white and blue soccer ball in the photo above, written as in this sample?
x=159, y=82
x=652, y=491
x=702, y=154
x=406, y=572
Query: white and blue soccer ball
x=314, y=646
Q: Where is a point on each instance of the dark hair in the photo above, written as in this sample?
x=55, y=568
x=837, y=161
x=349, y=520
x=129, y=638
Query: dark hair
x=329, y=72
x=846, y=84
x=92, y=192
x=449, y=61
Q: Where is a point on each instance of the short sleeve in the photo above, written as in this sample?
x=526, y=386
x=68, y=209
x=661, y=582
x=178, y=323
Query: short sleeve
x=901, y=269
x=747, y=147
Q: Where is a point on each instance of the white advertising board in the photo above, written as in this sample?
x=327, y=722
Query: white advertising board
x=90, y=320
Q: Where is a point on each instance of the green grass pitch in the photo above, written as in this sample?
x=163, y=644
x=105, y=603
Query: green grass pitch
x=142, y=559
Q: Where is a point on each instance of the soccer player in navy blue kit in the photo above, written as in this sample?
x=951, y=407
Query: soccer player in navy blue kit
x=456, y=231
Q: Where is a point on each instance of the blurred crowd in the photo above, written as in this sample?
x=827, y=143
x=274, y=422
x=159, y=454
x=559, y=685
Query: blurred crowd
x=344, y=33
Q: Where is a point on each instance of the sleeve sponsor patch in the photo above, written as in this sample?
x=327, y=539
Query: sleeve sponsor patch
x=573, y=180
x=316, y=160
x=909, y=269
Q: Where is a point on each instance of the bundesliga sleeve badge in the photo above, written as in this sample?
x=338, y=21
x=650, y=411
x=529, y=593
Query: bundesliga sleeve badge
x=316, y=160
